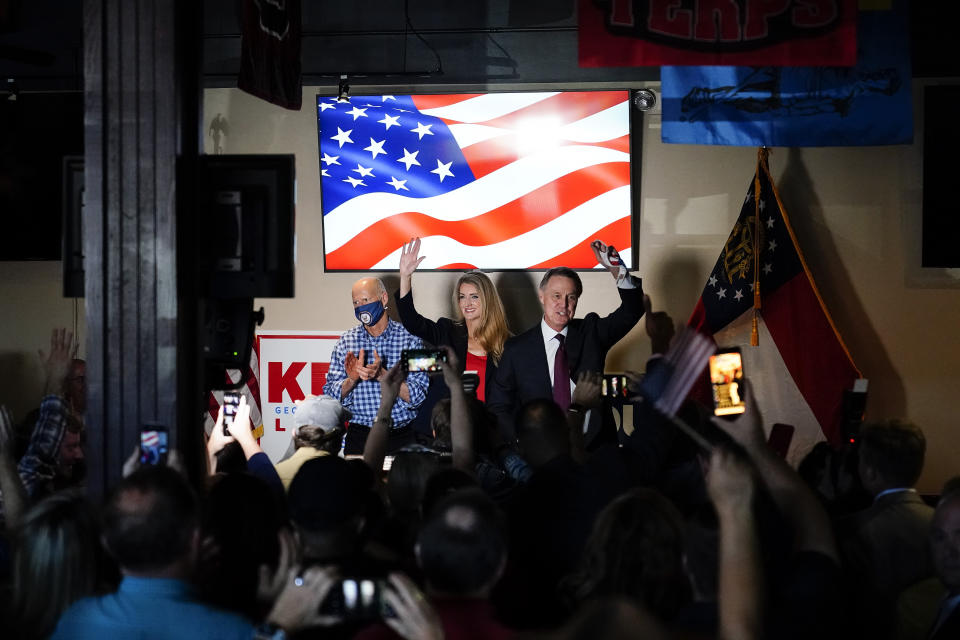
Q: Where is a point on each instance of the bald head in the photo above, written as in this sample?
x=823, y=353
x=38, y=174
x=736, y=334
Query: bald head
x=372, y=287
x=366, y=291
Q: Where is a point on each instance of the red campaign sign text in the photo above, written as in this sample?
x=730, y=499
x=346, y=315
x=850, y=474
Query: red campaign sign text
x=280, y=380
x=717, y=32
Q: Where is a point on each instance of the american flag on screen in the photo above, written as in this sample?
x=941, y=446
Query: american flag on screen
x=489, y=181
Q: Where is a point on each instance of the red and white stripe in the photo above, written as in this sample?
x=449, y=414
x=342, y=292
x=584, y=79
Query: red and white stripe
x=250, y=389
x=553, y=173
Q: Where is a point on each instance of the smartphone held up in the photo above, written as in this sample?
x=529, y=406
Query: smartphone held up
x=427, y=360
x=614, y=385
x=231, y=404
x=153, y=445
x=726, y=379
x=357, y=599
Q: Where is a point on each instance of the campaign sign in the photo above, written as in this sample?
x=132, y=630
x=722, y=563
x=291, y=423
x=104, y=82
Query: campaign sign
x=292, y=366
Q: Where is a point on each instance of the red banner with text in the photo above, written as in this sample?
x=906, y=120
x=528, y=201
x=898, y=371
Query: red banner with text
x=624, y=33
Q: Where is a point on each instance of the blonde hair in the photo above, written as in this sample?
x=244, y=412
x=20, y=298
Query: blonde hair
x=56, y=561
x=493, y=331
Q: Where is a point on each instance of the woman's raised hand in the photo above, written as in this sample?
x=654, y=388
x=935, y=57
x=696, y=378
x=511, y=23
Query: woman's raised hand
x=409, y=260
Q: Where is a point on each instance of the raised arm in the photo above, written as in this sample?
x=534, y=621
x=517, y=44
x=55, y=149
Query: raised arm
x=258, y=463
x=461, y=428
x=793, y=497
x=422, y=327
x=731, y=488
x=410, y=259
x=39, y=463
x=375, y=449
x=617, y=324
x=11, y=489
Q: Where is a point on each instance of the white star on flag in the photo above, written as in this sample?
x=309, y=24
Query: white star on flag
x=443, y=170
x=326, y=105
x=770, y=223
x=713, y=280
x=722, y=293
x=397, y=184
x=390, y=121
x=763, y=205
x=375, y=148
x=364, y=171
x=385, y=98
x=401, y=110
x=747, y=199
x=323, y=172
x=357, y=112
x=328, y=160
x=767, y=268
x=354, y=181
x=773, y=245
x=422, y=130
x=738, y=294
x=409, y=159
x=342, y=137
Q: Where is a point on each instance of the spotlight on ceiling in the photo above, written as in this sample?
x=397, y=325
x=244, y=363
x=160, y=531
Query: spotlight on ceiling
x=343, y=91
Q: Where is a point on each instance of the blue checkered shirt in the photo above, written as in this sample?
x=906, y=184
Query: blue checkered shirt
x=364, y=399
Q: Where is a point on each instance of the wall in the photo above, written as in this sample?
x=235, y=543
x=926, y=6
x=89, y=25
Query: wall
x=33, y=305
x=856, y=212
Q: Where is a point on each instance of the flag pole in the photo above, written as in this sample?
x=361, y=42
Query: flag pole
x=754, y=330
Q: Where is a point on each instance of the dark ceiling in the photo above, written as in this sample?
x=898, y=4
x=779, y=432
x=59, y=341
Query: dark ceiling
x=493, y=41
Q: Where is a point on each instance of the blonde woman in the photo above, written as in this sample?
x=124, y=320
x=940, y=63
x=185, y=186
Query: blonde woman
x=477, y=335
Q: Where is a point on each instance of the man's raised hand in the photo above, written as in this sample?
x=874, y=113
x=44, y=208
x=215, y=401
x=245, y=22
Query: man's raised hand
x=609, y=258
x=56, y=363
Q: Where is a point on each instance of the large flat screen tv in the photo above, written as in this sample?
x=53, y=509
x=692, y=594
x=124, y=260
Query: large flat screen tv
x=495, y=181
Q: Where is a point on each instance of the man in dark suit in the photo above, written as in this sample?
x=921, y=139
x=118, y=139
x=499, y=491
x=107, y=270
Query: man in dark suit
x=561, y=342
x=885, y=545
x=945, y=549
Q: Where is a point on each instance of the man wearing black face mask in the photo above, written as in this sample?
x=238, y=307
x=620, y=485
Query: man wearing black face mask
x=361, y=357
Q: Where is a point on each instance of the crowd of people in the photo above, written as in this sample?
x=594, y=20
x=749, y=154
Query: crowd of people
x=526, y=509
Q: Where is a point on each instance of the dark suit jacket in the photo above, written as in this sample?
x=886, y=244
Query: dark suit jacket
x=886, y=544
x=523, y=374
